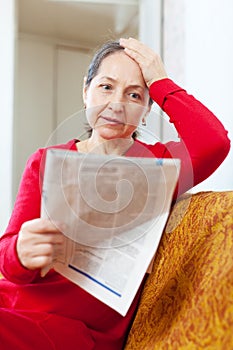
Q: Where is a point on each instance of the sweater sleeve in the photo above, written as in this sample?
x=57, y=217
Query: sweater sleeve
x=203, y=141
x=27, y=207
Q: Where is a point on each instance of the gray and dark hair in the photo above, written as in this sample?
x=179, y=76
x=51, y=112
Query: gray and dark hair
x=109, y=48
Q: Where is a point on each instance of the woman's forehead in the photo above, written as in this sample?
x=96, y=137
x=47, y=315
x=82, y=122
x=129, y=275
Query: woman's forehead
x=119, y=65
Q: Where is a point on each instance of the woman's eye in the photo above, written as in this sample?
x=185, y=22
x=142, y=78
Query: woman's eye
x=134, y=95
x=105, y=87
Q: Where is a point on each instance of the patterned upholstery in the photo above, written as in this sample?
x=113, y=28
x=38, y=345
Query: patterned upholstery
x=187, y=302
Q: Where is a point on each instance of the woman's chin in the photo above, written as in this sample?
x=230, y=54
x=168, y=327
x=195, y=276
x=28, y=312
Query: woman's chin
x=109, y=132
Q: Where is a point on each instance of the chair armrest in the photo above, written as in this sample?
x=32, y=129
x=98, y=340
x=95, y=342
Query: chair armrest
x=187, y=301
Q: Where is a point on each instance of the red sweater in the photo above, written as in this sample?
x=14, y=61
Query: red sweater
x=59, y=313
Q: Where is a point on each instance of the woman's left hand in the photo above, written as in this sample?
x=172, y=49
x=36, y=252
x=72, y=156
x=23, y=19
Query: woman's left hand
x=149, y=62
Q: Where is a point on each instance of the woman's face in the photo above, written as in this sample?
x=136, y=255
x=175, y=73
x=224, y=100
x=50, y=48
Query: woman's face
x=117, y=97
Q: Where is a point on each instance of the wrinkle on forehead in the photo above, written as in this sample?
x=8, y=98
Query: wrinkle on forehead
x=119, y=65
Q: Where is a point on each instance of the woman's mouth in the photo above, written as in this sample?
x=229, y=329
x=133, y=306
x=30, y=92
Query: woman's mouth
x=112, y=121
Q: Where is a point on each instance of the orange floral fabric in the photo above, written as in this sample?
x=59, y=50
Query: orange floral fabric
x=187, y=302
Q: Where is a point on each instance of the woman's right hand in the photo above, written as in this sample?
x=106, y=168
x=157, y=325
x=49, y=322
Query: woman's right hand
x=39, y=243
x=149, y=62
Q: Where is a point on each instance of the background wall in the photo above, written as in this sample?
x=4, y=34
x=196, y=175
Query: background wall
x=48, y=92
x=198, y=53
x=209, y=70
x=7, y=55
x=194, y=38
x=45, y=48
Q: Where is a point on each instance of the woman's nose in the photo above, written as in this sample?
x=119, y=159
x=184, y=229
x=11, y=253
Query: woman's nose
x=116, y=107
x=117, y=102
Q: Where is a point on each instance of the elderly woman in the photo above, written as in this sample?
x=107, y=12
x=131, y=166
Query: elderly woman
x=50, y=312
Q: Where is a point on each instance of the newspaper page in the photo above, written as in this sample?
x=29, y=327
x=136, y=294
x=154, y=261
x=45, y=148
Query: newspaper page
x=112, y=211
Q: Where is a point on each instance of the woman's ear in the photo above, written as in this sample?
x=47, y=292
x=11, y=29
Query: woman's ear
x=84, y=91
x=144, y=120
x=145, y=115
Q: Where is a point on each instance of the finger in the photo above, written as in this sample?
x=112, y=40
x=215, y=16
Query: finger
x=33, y=245
x=28, y=238
x=43, y=257
x=131, y=43
x=143, y=56
x=49, y=238
x=40, y=262
x=45, y=249
x=41, y=226
x=58, y=250
x=45, y=270
x=136, y=46
x=134, y=55
x=37, y=261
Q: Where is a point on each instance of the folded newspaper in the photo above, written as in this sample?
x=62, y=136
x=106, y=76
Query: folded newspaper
x=112, y=211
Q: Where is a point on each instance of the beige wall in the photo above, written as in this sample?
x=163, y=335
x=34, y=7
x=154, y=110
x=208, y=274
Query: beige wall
x=198, y=53
x=48, y=92
x=195, y=38
x=7, y=40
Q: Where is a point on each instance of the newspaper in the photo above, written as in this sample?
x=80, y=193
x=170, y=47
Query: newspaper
x=112, y=211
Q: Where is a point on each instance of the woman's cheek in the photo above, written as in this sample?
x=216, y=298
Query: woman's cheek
x=93, y=114
x=134, y=114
